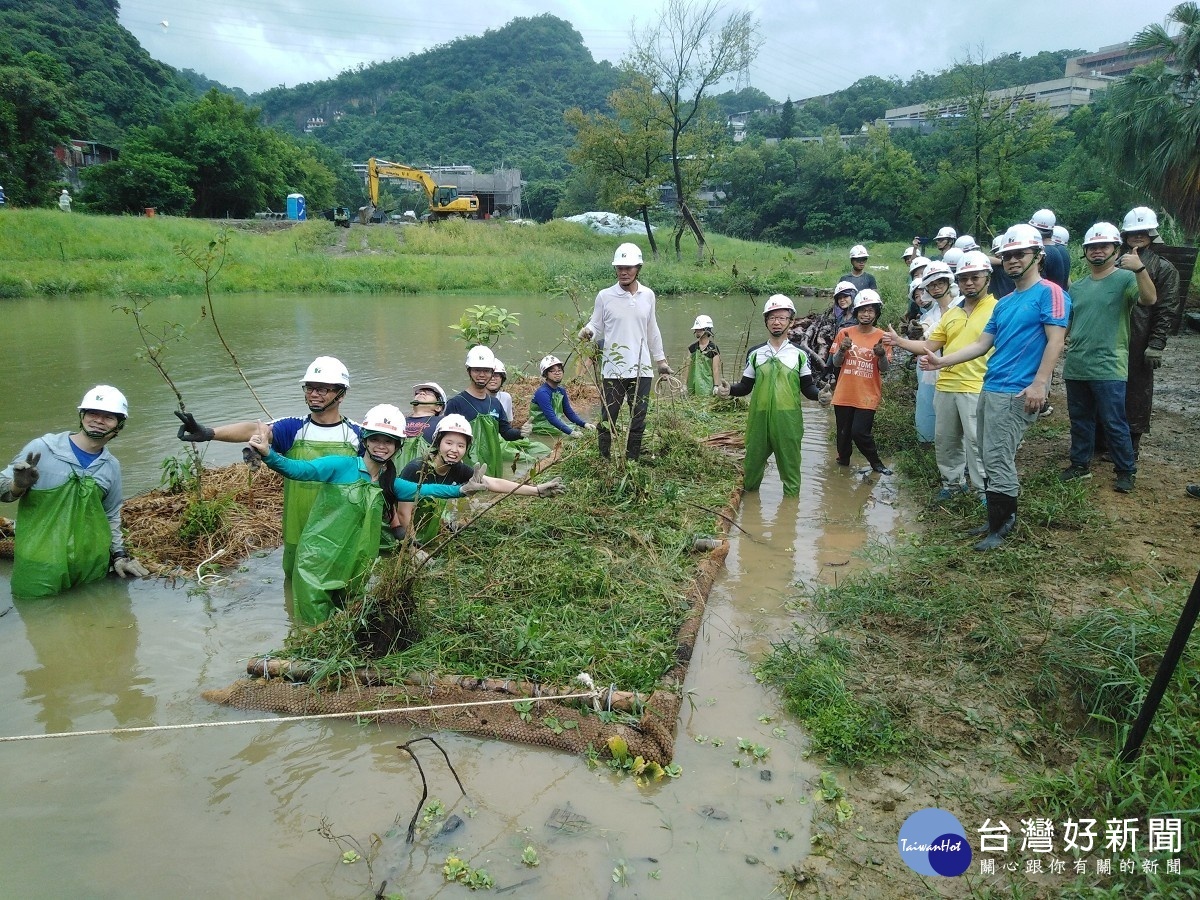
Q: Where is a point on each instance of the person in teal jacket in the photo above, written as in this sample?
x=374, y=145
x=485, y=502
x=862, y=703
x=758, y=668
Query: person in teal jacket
x=340, y=540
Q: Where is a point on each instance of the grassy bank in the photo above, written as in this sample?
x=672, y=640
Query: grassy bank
x=49, y=253
x=1004, y=684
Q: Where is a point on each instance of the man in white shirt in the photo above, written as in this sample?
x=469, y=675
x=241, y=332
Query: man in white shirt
x=624, y=326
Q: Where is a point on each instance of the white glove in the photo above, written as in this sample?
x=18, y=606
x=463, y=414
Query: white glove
x=527, y=428
x=551, y=488
x=590, y=426
x=476, y=482
x=576, y=434
x=664, y=368
x=722, y=389
x=825, y=397
x=128, y=567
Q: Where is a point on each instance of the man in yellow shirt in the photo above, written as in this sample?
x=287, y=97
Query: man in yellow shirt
x=957, y=393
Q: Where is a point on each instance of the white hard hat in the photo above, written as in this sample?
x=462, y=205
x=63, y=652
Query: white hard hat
x=779, y=301
x=431, y=386
x=946, y=233
x=916, y=262
x=910, y=250
x=327, y=370
x=383, y=419
x=548, y=362
x=952, y=258
x=1043, y=220
x=966, y=243
x=845, y=287
x=867, y=297
x=1140, y=218
x=453, y=424
x=628, y=255
x=997, y=241
x=702, y=322
x=1061, y=235
x=936, y=271
x=1102, y=233
x=974, y=261
x=858, y=251
x=1021, y=237
x=105, y=398
x=914, y=286
x=481, y=357
x=499, y=368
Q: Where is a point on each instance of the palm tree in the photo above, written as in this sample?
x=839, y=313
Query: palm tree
x=1152, y=128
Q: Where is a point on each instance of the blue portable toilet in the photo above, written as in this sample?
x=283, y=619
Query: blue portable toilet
x=295, y=207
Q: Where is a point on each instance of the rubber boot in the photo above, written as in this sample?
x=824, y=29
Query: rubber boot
x=986, y=527
x=1002, y=517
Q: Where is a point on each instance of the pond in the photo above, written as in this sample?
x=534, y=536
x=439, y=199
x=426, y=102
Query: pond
x=237, y=810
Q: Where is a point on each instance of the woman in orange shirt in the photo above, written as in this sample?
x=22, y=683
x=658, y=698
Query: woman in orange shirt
x=862, y=358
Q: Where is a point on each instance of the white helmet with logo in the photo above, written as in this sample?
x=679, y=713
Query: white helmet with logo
x=966, y=243
x=845, y=287
x=1102, y=233
x=327, y=370
x=453, y=424
x=1043, y=220
x=936, y=271
x=946, y=233
x=779, y=301
x=628, y=255
x=105, y=398
x=481, y=357
x=914, y=286
x=702, y=322
x=1061, y=235
x=383, y=419
x=858, y=251
x=499, y=369
x=868, y=297
x=548, y=362
x=1141, y=218
x=952, y=258
x=974, y=261
x=432, y=386
x=908, y=252
x=997, y=242
x=1021, y=237
x=917, y=262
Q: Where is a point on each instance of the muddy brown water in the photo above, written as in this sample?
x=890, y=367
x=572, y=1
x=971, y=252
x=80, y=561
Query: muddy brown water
x=235, y=811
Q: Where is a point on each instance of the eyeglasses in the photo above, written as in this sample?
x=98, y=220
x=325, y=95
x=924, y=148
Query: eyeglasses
x=323, y=389
x=1013, y=254
x=780, y=318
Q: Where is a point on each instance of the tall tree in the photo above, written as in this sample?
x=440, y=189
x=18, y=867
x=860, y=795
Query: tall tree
x=684, y=55
x=787, y=120
x=35, y=115
x=1153, y=123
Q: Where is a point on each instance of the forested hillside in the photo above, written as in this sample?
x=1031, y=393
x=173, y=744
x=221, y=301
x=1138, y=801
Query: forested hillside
x=484, y=101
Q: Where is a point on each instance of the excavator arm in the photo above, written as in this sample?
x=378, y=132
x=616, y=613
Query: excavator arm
x=443, y=200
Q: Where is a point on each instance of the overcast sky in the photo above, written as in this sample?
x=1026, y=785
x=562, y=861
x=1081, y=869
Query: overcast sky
x=808, y=47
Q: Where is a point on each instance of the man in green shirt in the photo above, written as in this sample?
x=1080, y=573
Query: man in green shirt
x=1097, y=358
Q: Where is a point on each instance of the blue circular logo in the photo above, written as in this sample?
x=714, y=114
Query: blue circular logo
x=933, y=842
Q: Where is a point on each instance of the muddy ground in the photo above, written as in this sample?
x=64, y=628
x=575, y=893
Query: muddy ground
x=1163, y=527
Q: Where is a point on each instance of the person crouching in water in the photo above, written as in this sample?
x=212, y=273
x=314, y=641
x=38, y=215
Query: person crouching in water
x=705, y=357
x=777, y=375
x=445, y=465
x=341, y=536
x=861, y=358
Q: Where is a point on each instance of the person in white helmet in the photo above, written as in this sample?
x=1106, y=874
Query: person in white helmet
x=1149, y=326
x=858, y=274
x=492, y=425
x=428, y=402
x=1001, y=284
x=777, y=375
x=64, y=201
x=1097, y=360
x=324, y=431
x=1061, y=235
x=550, y=410
x=67, y=488
x=514, y=452
x=704, y=359
x=862, y=358
x=1056, y=261
x=356, y=497
x=625, y=328
x=935, y=285
x=1025, y=334
x=444, y=465
x=943, y=240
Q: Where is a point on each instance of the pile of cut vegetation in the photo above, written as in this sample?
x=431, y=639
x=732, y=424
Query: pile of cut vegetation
x=606, y=582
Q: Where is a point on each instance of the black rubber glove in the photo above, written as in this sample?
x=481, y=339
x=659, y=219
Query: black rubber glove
x=191, y=430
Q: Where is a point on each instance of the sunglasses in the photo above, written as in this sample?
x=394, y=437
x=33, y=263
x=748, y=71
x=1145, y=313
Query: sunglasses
x=1013, y=254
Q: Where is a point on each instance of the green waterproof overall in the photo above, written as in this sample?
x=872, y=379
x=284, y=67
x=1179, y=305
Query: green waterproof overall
x=541, y=425
x=340, y=543
x=63, y=539
x=486, y=445
x=774, y=424
x=299, y=496
x=700, y=375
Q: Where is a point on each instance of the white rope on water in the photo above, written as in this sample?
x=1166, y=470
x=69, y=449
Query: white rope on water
x=216, y=579
x=146, y=729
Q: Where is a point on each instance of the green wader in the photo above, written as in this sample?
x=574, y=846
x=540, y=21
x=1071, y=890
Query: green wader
x=299, y=496
x=524, y=450
x=63, y=539
x=700, y=375
x=337, y=548
x=485, y=446
x=541, y=425
x=774, y=424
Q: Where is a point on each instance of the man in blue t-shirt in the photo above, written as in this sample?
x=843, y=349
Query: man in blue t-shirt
x=1026, y=333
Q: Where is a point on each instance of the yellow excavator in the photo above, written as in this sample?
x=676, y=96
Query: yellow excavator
x=444, y=200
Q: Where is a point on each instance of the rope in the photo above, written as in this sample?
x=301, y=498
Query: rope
x=145, y=729
x=216, y=579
